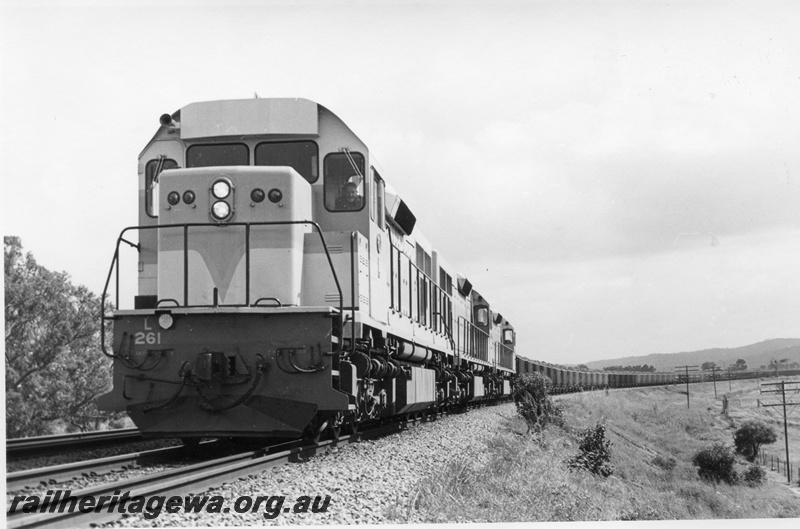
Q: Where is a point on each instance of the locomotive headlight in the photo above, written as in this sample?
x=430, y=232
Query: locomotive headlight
x=188, y=197
x=173, y=198
x=165, y=321
x=275, y=195
x=221, y=189
x=221, y=210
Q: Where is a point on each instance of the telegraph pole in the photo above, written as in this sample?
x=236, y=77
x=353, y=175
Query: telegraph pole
x=783, y=404
x=687, y=368
x=714, y=374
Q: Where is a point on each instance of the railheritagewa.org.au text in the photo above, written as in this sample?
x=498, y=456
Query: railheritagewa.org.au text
x=150, y=507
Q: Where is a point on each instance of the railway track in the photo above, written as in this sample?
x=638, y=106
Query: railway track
x=93, y=467
x=195, y=477
x=48, y=444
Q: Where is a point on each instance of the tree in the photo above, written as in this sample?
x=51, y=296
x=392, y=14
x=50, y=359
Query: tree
x=53, y=368
x=708, y=366
x=715, y=464
x=740, y=365
x=639, y=368
x=749, y=437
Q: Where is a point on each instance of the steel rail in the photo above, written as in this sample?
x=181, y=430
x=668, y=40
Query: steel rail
x=175, y=482
x=90, y=467
x=27, y=446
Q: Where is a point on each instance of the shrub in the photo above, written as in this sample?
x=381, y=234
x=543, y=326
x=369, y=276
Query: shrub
x=716, y=464
x=666, y=463
x=531, y=396
x=750, y=436
x=754, y=475
x=594, y=453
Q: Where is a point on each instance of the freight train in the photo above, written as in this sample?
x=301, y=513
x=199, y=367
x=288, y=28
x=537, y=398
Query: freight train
x=566, y=380
x=284, y=289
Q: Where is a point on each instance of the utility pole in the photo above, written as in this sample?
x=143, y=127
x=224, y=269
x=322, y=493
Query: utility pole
x=714, y=374
x=783, y=404
x=686, y=369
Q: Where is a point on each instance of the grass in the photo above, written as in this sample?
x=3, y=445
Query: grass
x=653, y=438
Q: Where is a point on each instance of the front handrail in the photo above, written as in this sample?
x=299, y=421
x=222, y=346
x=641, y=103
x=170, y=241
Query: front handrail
x=115, y=267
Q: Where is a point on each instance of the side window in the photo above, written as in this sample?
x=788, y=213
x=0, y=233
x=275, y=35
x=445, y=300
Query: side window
x=377, y=210
x=423, y=261
x=217, y=154
x=445, y=282
x=152, y=170
x=344, y=188
x=301, y=156
x=482, y=316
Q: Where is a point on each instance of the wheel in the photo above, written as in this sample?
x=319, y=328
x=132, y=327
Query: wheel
x=337, y=423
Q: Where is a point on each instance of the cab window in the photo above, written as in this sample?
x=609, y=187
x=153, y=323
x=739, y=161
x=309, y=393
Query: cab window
x=151, y=184
x=377, y=209
x=344, y=184
x=301, y=156
x=217, y=154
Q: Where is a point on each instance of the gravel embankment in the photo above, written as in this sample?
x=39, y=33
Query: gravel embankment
x=367, y=482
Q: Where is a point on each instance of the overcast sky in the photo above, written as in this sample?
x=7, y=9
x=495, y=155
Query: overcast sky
x=616, y=178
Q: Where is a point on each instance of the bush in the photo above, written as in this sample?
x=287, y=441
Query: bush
x=754, y=475
x=531, y=396
x=750, y=436
x=716, y=464
x=594, y=453
x=666, y=463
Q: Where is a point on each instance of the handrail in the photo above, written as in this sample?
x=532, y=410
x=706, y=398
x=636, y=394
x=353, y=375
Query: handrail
x=468, y=344
x=115, y=266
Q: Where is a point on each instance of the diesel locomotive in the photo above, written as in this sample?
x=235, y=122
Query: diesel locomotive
x=284, y=287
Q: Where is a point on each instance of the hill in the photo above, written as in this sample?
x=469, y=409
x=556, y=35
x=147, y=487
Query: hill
x=755, y=355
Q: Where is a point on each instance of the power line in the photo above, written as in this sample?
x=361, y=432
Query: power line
x=794, y=390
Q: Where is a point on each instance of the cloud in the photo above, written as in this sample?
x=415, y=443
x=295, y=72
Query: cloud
x=707, y=296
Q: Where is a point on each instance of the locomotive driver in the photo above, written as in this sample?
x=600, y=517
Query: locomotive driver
x=349, y=199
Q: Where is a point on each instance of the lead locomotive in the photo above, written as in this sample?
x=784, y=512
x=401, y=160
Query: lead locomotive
x=284, y=287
